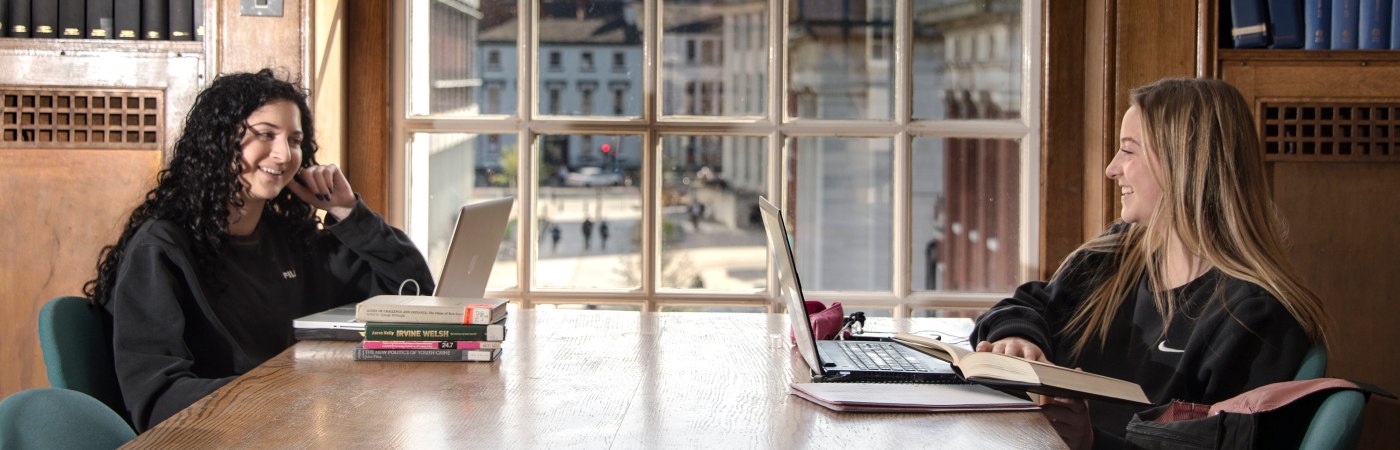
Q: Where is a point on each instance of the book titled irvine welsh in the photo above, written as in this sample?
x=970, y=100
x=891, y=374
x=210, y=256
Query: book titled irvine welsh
x=431, y=345
x=431, y=309
x=380, y=331
x=488, y=355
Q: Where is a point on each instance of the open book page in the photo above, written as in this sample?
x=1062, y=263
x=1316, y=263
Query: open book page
x=997, y=369
x=933, y=347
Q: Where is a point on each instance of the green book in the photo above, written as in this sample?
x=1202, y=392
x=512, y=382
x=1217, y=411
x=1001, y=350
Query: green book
x=385, y=331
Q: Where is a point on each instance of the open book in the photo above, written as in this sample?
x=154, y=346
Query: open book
x=1006, y=371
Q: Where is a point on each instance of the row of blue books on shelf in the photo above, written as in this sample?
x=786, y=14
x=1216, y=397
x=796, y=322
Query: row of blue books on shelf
x=1316, y=24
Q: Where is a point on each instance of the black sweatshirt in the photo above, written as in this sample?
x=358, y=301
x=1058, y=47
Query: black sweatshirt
x=1208, y=354
x=176, y=340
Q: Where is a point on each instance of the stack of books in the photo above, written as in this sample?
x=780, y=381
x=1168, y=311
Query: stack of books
x=421, y=328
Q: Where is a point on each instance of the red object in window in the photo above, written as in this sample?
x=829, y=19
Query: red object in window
x=607, y=148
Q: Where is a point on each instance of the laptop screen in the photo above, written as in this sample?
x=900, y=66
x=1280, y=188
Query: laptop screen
x=472, y=250
x=788, y=286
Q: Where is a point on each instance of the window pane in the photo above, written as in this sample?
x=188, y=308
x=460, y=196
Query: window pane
x=712, y=236
x=571, y=34
x=840, y=196
x=457, y=51
x=967, y=58
x=839, y=59
x=965, y=215
x=714, y=57
x=589, y=212
x=461, y=169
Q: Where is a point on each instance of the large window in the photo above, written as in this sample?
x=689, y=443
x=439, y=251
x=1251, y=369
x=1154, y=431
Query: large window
x=897, y=136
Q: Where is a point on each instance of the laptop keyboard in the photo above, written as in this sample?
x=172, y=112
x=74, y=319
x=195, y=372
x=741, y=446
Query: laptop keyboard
x=876, y=356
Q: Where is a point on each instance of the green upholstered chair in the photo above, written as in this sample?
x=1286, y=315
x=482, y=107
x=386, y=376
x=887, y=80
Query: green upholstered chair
x=1337, y=422
x=48, y=418
x=1314, y=364
x=78, y=350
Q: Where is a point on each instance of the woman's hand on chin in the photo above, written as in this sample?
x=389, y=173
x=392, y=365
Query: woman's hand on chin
x=325, y=187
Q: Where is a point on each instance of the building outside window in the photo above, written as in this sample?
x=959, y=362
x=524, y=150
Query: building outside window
x=908, y=181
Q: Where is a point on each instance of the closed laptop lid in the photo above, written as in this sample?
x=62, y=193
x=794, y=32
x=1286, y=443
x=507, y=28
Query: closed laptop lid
x=471, y=253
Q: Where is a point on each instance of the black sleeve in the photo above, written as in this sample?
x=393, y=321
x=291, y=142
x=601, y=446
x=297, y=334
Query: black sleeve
x=153, y=362
x=365, y=257
x=1257, y=342
x=1039, y=309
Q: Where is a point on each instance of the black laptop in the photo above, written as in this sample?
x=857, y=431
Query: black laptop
x=838, y=360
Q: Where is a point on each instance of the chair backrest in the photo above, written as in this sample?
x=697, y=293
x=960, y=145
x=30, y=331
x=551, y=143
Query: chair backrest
x=1337, y=423
x=78, y=350
x=47, y=418
x=1314, y=364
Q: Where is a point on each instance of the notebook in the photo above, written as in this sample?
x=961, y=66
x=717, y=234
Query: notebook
x=471, y=253
x=835, y=360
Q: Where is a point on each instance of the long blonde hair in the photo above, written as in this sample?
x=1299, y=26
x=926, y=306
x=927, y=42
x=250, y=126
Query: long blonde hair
x=1215, y=198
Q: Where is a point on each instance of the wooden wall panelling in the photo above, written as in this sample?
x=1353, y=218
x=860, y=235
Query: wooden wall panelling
x=367, y=110
x=1345, y=239
x=251, y=43
x=62, y=205
x=1342, y=213
x=1063, y=143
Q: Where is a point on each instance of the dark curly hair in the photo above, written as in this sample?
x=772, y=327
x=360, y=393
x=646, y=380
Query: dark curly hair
x=202, y=179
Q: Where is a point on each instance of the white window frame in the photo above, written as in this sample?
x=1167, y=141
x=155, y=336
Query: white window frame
x=776, y=126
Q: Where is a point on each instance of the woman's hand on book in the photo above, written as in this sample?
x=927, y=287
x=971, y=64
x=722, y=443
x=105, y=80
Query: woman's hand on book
x=1014, y=346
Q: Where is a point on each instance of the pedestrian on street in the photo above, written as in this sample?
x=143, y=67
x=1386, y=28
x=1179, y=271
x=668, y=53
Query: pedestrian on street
x=587, y=232
x=603, y=233
x=554, y=238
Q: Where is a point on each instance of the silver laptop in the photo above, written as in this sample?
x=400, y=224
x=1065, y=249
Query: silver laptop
x=836, y=360
x=471, y=253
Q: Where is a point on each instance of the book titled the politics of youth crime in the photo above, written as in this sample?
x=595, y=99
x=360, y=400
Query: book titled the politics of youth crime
x=381, y=331
x=431, y=309
x=365, y=354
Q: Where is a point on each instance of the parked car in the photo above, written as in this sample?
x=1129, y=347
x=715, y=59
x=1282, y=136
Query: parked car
x=592, y=176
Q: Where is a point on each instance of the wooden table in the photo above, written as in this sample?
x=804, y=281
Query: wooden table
x=570, y=379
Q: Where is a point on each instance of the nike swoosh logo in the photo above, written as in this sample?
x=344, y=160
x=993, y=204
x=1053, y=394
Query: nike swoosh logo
x=1164, y=348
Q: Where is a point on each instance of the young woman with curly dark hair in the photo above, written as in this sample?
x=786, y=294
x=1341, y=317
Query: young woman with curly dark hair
x=227, y=250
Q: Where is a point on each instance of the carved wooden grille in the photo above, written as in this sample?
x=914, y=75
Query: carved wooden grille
x=81, y=118
x=1330, y=131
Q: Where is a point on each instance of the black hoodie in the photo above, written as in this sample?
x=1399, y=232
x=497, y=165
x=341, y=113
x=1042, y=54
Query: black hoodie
x=176, y=340
x=1227, y=336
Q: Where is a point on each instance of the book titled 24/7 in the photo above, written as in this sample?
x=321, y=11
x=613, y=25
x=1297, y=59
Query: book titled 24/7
x=431, y=345
x=1011, y=372
x=365, y=354
x=381, y=331
x=430, y=309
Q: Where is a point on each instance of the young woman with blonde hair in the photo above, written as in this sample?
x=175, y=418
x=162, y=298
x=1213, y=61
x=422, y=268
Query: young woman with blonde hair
x=1191, y=294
